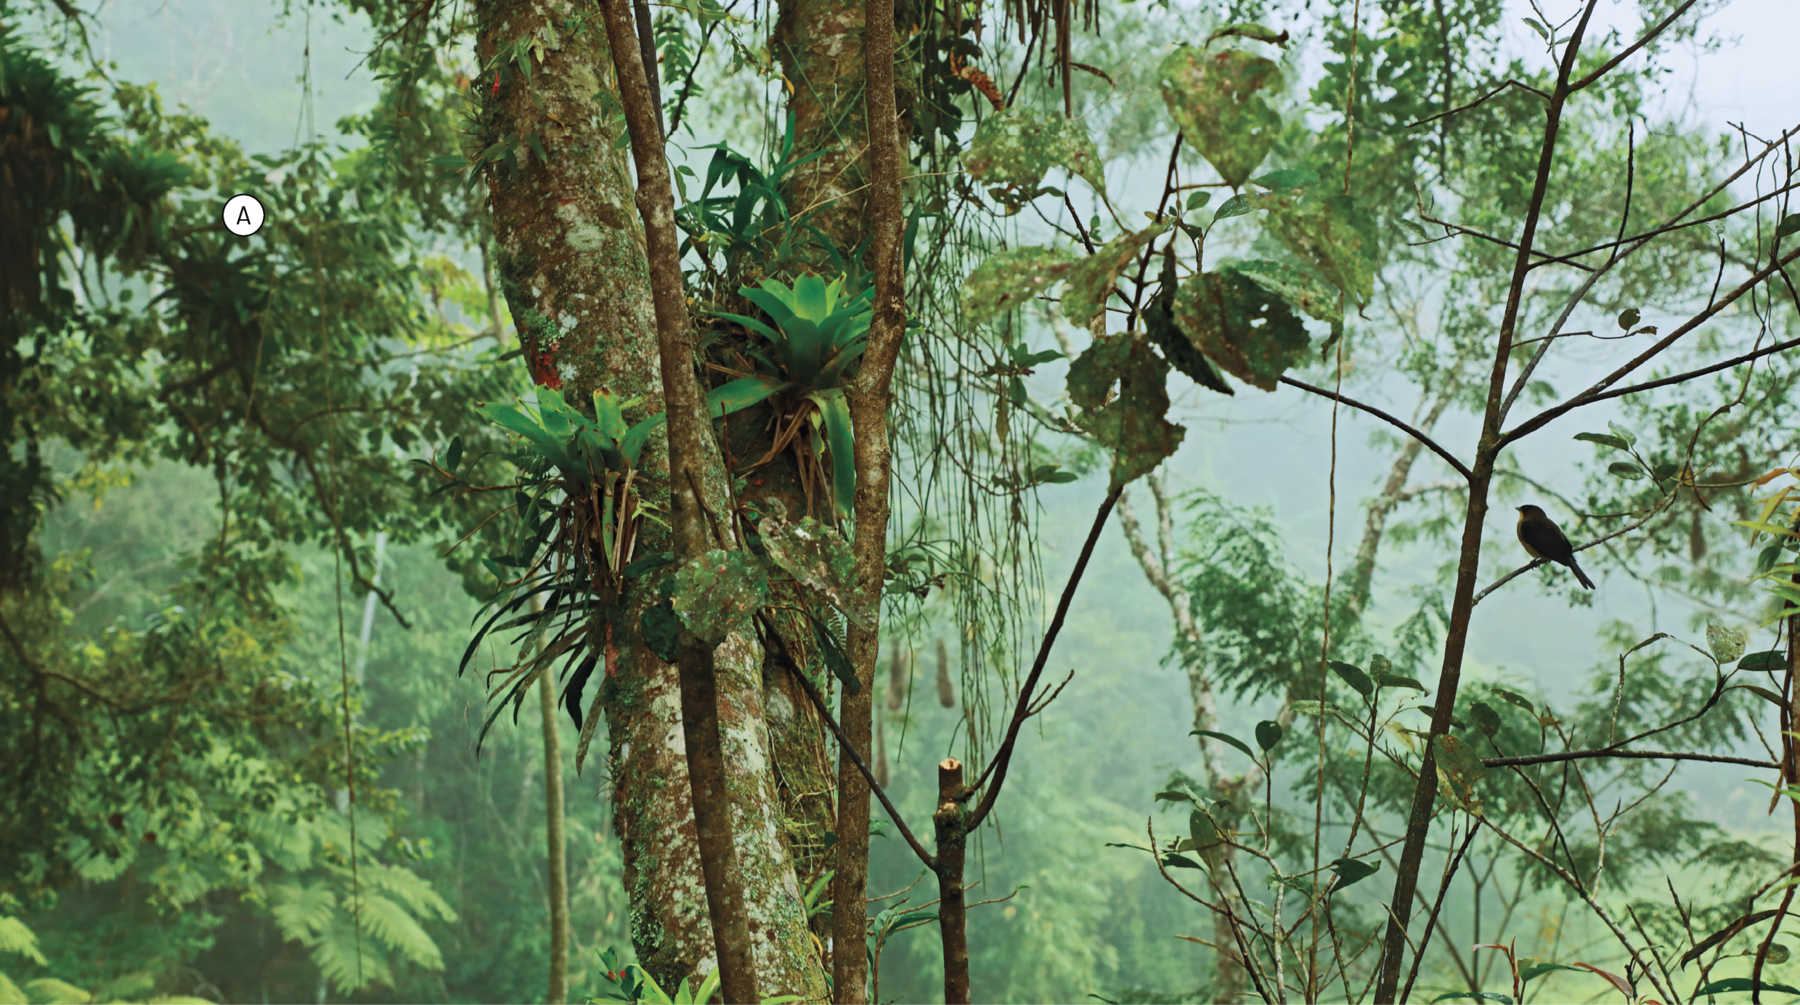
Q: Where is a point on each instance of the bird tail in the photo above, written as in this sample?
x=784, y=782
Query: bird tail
x=1582, y=576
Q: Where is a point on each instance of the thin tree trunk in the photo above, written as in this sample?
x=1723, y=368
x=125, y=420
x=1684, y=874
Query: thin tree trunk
x=556, y=846
x=869, y=399
x=820, y=44
x=690, y=437
x=952, y=848
x=1462, y=604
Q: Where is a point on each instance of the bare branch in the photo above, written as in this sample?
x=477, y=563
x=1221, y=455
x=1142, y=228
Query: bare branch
x=1429, y=443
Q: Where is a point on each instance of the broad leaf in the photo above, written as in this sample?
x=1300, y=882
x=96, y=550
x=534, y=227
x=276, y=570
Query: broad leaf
x=1227, y=739
x=1177, y=348
x=1268, y=734
x=1303, y=291
x=1334, y=235
x=819, y=558
x=1216, y=100
x=1351, y=871
x=1011, y=278
x=1353, y=676
x=1244, y=328
x=1130, y=424
x=1016, y=147
x=1092, y=279
x=717, y=592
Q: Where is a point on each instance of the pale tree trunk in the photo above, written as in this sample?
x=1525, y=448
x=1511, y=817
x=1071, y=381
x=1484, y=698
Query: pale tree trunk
x=571, y=257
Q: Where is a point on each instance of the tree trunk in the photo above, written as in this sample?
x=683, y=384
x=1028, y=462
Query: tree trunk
x=869, y=399
x=952, y=849
x=571, y=257
x=820, y=46
x=556, y=847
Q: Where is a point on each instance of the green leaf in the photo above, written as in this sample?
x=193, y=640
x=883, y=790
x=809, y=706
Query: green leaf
x=1177, y=347
x=1533, y=971
x=1459, y=770
x=818, y=558
x=1395, y=680
x=1605, y=440
x=1245, y=29
x=1181, y=862
x=1334, y=235
x=1174, y=796
x=1492, y=996
x=1726, y=644
x=1237, y=205
x=1016, y=147
x=1790, y=224
x=1005, y=281
x=1622, y=433
x=1131, y=424
x=1227, y=739
x=1628, y=318
x=1216, y=99
x=1738, y=985
x=834, y=415
x=1773, y=659
x=835, y=659
x=737, y=395
x=1516, y=699
x=1281, y=181
x=1626, y=470
x=716, y=593
x=1351, y=871
x=1303, y=291
x=15, y=937
x=1268, y=734
x=453, y=456
x=1353, y=676
x=1543, y=32
x=1092, y=279
x=1484, y=717
x=1764, y=693
x=1195, y=200
x=1245, y=329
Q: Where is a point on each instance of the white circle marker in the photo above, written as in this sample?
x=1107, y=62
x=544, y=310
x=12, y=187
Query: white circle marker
x=243, y=215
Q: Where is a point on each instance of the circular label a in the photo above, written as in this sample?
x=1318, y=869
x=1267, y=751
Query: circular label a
x=243, y=215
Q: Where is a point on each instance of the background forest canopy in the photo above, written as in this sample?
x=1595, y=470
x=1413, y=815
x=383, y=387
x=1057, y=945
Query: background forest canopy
x=1208, y=347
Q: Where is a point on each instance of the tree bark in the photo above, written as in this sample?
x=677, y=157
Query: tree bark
x=820, y=46
x=690, y=435
x=952, y=849
x=556, y=847
x=571, y=254
x=869, y=399
x=1462, y=604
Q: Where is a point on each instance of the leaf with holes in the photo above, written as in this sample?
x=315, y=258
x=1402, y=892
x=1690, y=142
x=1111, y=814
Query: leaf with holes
x=1013, y=149
x=1726, y=644
x=1177, y=348
x=1092, y=279
x=1303, y=291
x=1216, y=99
x=1011, y=278
x=1131, y=424
x=1245, y=329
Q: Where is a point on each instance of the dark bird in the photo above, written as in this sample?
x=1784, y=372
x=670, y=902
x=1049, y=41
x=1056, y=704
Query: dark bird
x=1543, y=539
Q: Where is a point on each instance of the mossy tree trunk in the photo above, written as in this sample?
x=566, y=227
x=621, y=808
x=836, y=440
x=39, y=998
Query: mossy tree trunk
x=571, y=257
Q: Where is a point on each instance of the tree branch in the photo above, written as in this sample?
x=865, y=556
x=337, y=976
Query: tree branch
x=1430, y=444
x=1646, y=755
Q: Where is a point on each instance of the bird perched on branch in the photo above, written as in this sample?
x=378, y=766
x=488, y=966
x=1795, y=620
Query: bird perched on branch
x=1543, y=539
